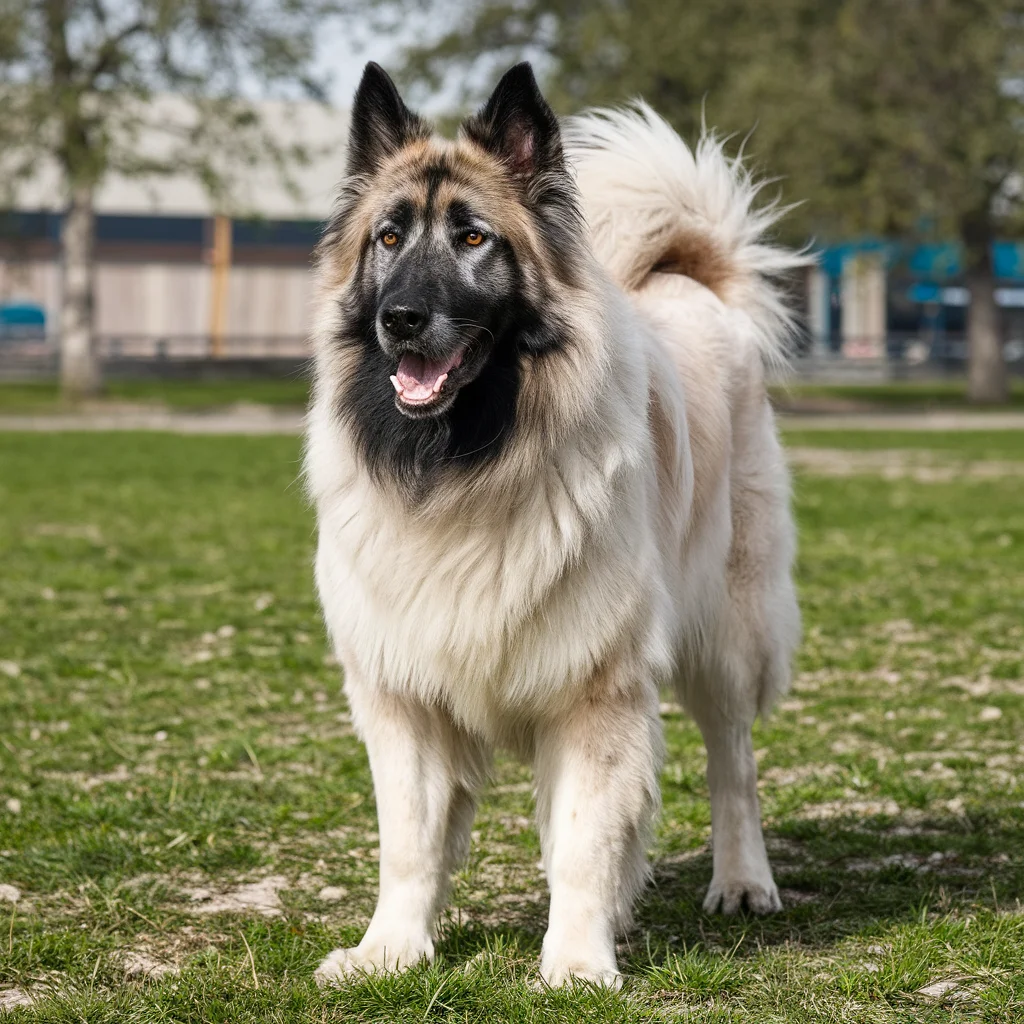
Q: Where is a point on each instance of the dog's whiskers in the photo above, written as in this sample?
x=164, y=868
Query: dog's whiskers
x=475, y=326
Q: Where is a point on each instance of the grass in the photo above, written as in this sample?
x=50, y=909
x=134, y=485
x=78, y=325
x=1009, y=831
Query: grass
x=955, y=446
x=885, y=396
x=172, y=739
x=39, y=397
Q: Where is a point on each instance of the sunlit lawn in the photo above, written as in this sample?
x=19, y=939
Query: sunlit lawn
x=187, y=819
x=891, y=396
x=35, y=397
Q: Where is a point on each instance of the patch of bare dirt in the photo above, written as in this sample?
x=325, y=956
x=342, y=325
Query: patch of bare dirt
x=794, y=897
x=985, y=685
x=899, y=464
x=683, y=858
x=89, y=782
x=944, y=861
x=797, y=774
x=850, y=808
x=256, y=897
x=811, y=682
x=138, y=963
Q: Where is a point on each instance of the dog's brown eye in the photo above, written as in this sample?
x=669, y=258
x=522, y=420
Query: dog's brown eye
x=474, y=238
x=389, y=238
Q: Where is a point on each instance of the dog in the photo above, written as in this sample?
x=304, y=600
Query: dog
x=547, y=482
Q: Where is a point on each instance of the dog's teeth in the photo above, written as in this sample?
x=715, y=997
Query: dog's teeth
x=397, y=383
x=440, y=380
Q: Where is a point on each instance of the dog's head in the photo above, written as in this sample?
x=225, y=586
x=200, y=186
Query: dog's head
x=445, y=253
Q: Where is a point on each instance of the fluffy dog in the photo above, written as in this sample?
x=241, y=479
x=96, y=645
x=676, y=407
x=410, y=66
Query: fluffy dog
x=547, y=481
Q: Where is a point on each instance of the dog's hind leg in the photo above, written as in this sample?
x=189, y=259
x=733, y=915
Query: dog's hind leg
x=744, y=665
x=426, y=774
x=742, y=658
x=597, y=789
x=742, y=876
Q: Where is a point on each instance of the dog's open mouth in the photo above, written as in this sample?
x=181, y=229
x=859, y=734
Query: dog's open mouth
x=419, y=380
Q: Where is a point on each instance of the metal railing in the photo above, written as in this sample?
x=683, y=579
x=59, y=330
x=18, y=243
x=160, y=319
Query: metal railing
x=28, y=358
x=911, y=347
x=898, y=355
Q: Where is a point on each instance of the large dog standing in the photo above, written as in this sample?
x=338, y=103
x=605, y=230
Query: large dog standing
x=548, y=480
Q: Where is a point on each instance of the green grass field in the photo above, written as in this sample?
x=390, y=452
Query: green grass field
x=40, y=397
x=887, y=396
x=187, y=822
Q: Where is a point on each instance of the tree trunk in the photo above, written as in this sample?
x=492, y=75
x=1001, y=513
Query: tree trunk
x=988, y=380
x=987, y=377
x=79, y=366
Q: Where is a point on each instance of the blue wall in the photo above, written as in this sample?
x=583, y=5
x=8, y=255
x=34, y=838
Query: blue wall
x=150, y=230
x=937, y=262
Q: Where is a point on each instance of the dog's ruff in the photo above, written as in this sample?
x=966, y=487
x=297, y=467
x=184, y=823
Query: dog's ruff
x=633, y=530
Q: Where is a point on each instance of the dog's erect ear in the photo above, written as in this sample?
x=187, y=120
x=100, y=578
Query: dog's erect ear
x=381, y=122
x=517, y=125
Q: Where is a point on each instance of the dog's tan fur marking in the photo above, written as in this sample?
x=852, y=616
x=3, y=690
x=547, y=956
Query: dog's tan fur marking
x=694, y=256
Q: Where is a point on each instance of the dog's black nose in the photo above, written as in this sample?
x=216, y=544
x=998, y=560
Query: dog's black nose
x=404, y=322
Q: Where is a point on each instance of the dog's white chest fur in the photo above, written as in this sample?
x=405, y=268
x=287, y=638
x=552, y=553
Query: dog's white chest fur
x=495, y=611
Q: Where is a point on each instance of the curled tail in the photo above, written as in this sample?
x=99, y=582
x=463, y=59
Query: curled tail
x=656, y=206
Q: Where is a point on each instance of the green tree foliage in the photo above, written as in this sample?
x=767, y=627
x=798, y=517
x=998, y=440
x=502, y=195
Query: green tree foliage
x=899, y=118
x=77, y=84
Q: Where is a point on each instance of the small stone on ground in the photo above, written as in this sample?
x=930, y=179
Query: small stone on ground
x=10, y=998
x=332, y=893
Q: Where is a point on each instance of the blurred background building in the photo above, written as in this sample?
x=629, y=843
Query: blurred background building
x=174, y=279
x=889, y=300
x=893, y=129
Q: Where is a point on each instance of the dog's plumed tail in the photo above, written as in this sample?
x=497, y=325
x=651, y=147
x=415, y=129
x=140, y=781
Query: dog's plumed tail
x=656, y=206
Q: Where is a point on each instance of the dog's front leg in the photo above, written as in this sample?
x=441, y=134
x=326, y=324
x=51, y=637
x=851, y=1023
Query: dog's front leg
x=426, y=774
x=597, y=789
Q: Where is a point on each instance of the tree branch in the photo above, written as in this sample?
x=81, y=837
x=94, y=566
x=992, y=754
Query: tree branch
x=109, y=53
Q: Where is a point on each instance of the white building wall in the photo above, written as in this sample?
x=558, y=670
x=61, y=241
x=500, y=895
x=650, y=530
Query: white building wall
x=268, y=302
x=863, y=298
x=152, y=299
x=172, y=300
x=818, y=320
x=31, y=281
x=139, y=305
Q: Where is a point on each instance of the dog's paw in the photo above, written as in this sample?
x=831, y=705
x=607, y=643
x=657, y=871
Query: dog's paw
x=730, y=897
x=341, y=965
x=338, y=965
x=556, y=971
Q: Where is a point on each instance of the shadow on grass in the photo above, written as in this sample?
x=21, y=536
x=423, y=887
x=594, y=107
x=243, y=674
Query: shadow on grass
x=839, y=879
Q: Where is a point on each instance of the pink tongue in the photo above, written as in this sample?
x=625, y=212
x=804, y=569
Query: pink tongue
x=418, y=375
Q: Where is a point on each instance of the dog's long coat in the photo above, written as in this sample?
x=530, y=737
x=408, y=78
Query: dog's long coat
x=629, y=527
